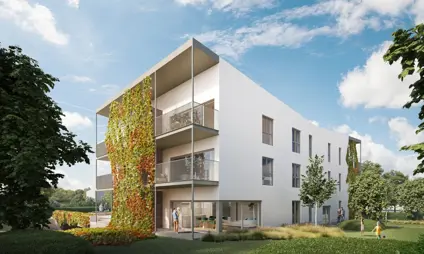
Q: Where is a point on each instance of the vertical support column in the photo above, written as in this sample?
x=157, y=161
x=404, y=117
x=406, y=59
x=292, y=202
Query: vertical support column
x=95, y=176
x=218, y=216
x=156, y=157
x=241, y=215
x=192, y=139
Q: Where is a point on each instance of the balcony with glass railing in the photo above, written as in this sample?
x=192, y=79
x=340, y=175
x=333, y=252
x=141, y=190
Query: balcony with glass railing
x=174, y=128
x=178, y=172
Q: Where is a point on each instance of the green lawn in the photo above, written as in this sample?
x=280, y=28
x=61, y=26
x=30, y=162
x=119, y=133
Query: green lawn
x=169, y=245
x=404, y=232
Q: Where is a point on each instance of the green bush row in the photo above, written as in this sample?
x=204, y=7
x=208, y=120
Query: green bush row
x=404, y=216
x=339, y=245
x=86, y=209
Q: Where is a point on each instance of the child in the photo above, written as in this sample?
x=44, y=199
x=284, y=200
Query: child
x=362, y=226
x=378, y=230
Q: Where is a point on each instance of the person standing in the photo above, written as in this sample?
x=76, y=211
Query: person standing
x=175, y=218
x=343, y=214
x=339, y=215
x=362, y=227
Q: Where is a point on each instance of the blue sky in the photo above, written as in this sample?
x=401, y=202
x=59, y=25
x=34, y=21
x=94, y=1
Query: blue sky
x=322, y=58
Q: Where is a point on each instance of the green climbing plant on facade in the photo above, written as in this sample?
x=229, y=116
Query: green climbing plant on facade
x=352, y=169
x=131, y=150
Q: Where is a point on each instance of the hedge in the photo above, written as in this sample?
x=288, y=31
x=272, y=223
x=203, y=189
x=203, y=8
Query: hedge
x=73, y=219
x=404, y=216
x=339, y=246
x=87, y=209
x=42, y=242
x=355, y=225
x=108, y=236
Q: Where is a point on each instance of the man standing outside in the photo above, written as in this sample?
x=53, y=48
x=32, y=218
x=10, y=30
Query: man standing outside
x=175, y=218
x=343, y=214
x=339, y=215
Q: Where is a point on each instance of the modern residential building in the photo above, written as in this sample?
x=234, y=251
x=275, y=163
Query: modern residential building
x=250, y=148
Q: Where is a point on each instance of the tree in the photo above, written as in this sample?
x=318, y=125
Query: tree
x=33, y=141
x=368, y=194
x=408, y=47
x=316, y=188
x=371, y=166
x=394, y=179
x=411, y=196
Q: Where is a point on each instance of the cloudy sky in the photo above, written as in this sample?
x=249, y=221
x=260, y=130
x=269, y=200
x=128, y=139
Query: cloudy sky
x=323, y=58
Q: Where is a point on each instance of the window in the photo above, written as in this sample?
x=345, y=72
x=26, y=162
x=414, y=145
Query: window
x=326, y=214
x=295, y=140
x=340, y=182
x=310, y=146
x=295, y=212
x=267, y=130
x=340, y=156
x=329, y=152
x=267, y=171
x=329, y=175
x=295, y=175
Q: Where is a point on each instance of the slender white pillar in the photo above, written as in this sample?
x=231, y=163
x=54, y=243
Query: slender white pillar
x=156, y=158
x=192, y=139
x=95, y=174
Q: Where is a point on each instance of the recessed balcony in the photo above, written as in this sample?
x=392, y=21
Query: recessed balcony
x=177, y=173
x=101, y=151
x=174, y=128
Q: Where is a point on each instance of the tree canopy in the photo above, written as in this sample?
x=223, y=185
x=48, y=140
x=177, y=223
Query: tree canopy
x=368, y=194
x=408, y=48
x=33, y=141
x=411, y=195
x=316, y=188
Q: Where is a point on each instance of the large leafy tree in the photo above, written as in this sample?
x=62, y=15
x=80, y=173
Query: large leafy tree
x=368, y=194
x=394, y=179
x=371, y=166
x=408, y=48
x=411, y=196
x=316, y=188
x=33, y=141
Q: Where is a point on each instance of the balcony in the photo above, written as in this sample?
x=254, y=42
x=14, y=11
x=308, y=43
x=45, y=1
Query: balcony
x=174, y=128
x=177, y=173
x=104, y=182
x=101, y=151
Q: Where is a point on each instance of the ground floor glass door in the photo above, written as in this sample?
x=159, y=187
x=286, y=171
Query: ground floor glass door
x=184, y=210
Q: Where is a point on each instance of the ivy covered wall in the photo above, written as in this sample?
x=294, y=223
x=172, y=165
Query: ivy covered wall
x=131, y=151
x=353, y=168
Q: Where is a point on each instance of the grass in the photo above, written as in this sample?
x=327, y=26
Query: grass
x=276, y=233
x=404, y=232
x=304, y=246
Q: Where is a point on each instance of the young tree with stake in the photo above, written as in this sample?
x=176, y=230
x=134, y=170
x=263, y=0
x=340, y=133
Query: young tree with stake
x=316, y=188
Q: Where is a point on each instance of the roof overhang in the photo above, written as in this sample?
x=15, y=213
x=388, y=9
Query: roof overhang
x=172, y=71
x=358, y=141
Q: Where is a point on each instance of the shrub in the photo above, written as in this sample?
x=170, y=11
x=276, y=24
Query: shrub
x=275, y=233
x=414, y=222
x=88, y=209
x=73, y=219
x=108, y=236
x=338, y=245
x=43, y=242
x=404, y=216
x=420, y=244
x=355, y=225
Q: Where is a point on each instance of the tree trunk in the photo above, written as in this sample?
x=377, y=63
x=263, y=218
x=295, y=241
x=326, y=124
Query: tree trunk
x=394, y=208
x=316, y=213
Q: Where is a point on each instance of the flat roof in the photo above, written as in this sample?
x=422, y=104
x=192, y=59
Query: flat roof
x=172, y=71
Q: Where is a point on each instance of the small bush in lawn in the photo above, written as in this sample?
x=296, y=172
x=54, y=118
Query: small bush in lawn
x=108, y=236
x=355, y=225
x=208, y=237
x=42, y=242
x=420, y=244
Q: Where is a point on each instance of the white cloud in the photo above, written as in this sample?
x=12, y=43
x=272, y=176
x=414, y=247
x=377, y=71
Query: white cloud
x=79, y=79
x=377, y=119
x=74, y=120
x=375, y=84
x=237, y=7
x=418, y=11
x=402, y=161
x=70, y=183
x=344, y=18
x=74, y=3
x=403, y=132
x=314, y=122
x=34, y=18
x=106, y=89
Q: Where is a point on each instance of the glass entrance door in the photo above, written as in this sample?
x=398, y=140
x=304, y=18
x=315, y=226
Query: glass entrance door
x=184, y=210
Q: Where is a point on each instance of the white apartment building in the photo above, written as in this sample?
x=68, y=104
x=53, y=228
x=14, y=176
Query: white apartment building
x=250, y=148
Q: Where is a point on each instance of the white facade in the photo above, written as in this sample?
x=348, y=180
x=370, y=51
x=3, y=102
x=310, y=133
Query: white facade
x=238, y=150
